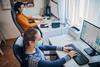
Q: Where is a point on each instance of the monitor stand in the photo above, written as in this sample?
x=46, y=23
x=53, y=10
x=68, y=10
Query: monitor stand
x=91, y=52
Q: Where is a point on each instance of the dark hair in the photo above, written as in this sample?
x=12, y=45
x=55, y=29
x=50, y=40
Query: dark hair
x=17, y=5
x=29, y=35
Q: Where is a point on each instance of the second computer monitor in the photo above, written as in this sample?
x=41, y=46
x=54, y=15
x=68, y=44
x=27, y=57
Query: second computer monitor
x=91, y=35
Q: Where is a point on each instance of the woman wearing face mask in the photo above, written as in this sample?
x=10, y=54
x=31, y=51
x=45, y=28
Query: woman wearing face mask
x=23, y=20
x=33, y=56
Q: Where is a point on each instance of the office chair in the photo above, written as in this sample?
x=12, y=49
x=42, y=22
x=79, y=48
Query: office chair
x=13, y=14
x=18, y=50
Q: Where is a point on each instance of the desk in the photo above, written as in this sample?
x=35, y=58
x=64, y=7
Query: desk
x=67, y=39
x=50, y=32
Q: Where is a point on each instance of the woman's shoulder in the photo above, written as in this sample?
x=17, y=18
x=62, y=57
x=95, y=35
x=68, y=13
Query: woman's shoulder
x=19, y=15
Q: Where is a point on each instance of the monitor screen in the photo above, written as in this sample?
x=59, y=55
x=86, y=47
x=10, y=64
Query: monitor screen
x=91, y=35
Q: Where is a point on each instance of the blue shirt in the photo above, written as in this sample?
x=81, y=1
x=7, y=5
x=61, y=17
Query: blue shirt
x=37, y=59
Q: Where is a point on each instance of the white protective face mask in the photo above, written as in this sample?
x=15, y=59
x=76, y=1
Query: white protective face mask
x=28, y=11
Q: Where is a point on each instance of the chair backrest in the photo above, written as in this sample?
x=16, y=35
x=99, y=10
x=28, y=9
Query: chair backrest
x=18, y=49
x=13, y=14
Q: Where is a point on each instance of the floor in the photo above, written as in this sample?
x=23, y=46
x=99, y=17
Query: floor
x=8, y=59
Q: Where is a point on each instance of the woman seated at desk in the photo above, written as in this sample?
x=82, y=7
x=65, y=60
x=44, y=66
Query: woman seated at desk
x=33, y=55
x=23, y=20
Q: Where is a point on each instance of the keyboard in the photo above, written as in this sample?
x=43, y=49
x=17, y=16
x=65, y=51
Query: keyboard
x=80, y=58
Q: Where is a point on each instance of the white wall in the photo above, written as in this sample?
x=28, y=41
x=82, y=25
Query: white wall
x=6, y=24
x=35, y=11
x=39, y=4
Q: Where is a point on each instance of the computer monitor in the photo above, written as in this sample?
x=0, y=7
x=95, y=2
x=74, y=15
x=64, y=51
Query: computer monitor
x=90, y=34
x=54, y=9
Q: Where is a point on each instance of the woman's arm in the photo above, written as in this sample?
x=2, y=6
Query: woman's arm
x=30, y=18
x=35, y=18
x=25, y=22
x=49, y=47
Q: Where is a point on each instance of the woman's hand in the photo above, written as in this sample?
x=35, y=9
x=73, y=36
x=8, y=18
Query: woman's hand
x=67, y=49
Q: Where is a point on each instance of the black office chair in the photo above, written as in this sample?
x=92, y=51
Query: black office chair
x=18, y=50
x=13, y=14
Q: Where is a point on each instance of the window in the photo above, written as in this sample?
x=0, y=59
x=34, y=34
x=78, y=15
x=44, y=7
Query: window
x=78, y=10
x=93, y=12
